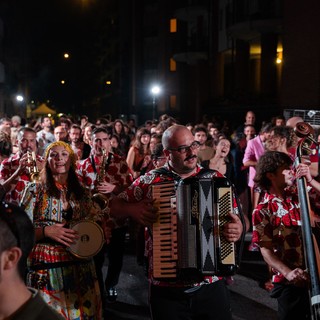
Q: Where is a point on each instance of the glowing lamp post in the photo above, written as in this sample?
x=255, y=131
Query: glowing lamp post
x=20, y=101
x=19, y=98
x=155, y=90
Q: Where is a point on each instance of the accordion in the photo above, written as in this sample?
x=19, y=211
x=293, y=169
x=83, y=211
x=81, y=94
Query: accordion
x=187, y=238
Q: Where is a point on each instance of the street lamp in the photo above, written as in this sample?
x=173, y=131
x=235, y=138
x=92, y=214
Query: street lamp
x=155, y=90
x=20, y=102
x=19, y=98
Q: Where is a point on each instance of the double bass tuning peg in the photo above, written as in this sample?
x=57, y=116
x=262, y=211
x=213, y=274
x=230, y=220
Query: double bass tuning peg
x=307, y=147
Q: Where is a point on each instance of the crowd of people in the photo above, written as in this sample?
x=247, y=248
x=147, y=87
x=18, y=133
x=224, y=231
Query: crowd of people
x=102, y=172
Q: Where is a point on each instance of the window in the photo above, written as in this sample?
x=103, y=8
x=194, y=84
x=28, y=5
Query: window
x=173, y=65
x=173, y=25
x=173, y=101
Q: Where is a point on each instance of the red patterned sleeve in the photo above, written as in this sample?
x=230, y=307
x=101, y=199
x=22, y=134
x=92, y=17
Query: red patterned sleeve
x=262, y=228
x=4, y=170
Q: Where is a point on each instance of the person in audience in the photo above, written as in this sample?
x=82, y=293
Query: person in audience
x=17, y=301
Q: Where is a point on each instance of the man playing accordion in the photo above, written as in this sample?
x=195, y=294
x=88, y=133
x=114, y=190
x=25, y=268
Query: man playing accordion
x=179, y=298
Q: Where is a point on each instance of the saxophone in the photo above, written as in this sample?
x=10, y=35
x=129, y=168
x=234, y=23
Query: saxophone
x=101, y=199
x=32, y=166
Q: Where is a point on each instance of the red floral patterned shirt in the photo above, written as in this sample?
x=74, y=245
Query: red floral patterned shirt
x=278, y=221
x=7, y=168
x=117, y=171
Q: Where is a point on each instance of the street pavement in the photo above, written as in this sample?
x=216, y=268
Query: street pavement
x=248, y=300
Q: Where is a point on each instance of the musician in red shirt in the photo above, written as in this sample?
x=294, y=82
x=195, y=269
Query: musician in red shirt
x=15, y=167
x=106, y=173
x=181, y=299
x=277, y=232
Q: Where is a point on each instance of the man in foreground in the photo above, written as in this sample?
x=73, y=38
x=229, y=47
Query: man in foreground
x=17, y=302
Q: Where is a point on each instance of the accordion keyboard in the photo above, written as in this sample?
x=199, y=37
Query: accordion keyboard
x=227, y=249
x=165, y=232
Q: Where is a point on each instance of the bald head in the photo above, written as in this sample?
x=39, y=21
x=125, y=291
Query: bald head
x=173, y=134
x=181, y=150
x=292, y=122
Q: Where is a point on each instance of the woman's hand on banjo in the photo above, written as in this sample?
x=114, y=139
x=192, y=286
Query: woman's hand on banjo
x=59, y=233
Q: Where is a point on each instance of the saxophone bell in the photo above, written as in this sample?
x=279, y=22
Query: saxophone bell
x=101, y=199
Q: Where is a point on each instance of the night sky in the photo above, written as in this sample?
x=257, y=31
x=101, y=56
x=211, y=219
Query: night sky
x=38, y=33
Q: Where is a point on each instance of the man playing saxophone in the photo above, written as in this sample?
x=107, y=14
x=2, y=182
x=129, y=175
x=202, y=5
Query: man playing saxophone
x=22, y=167
x=106, y=174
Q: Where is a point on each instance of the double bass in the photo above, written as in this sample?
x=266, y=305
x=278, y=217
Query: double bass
x=305, y=132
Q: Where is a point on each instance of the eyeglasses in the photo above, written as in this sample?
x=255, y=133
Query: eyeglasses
x=6, y=214
x=183, y=149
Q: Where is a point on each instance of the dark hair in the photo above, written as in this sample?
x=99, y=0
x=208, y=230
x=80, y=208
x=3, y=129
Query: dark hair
x=73, y=183
x=280, y=117
x=16, y=230
x=65, y=120
x=114, y=126
x=157, y=152
x=156, y=136
x=114, y=135
x=148, y=123
x=249, y=125
x=104, y=129
x=75, y=126
x=269, y=162
x=22, y=130
x=103, y=121
x=220, y=137
x=137, y=142
x=5, y=144
x=200, y=128
x=286, y=132
x=266, y=128
x=44, y=117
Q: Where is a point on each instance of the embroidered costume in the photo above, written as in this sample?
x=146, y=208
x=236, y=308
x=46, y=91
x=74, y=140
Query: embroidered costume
x=66, y=283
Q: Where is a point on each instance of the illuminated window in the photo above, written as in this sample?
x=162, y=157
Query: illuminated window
x=173, y=65
x=173, y=25
x=173, y=102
